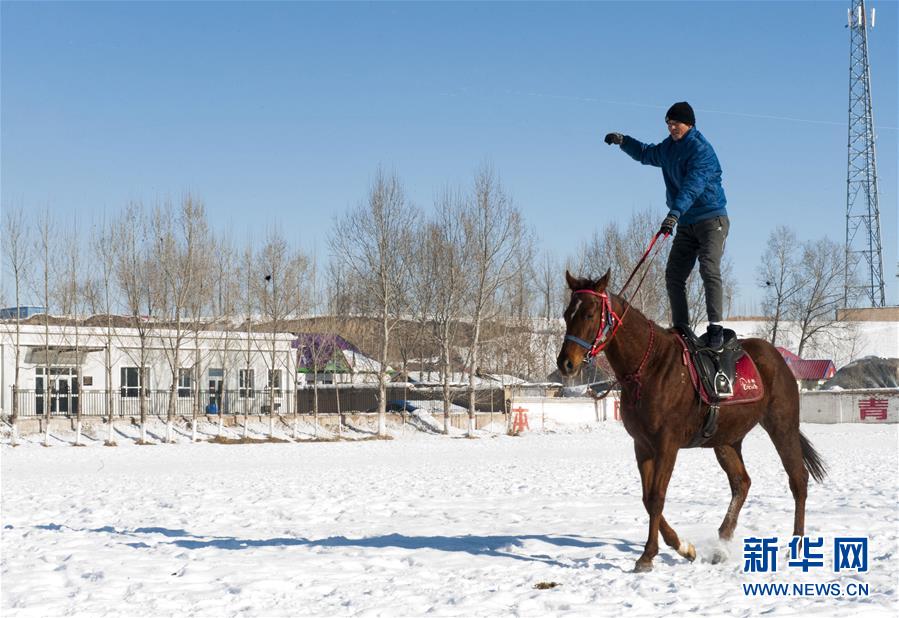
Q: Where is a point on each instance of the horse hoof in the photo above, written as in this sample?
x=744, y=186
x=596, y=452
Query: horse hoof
x=687, y=551
x=643, y=567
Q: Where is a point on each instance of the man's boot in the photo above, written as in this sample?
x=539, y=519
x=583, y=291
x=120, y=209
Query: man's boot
x=715, y=339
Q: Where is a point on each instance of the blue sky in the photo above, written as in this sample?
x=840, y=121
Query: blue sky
x=280, y=113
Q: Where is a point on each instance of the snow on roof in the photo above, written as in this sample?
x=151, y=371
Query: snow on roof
x=504, y=378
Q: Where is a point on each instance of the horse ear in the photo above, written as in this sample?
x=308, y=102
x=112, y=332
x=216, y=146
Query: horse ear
x=603, y=282
x=573, y=282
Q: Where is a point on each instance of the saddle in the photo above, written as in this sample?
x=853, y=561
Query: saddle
x=715, y=370
x=722, y=378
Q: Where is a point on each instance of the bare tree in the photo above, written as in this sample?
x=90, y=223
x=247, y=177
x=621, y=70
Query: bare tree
x=778, y=275
x=494, y=232
x=103, y=243
x=550, y=287
x=249, y=301
x=281, y=273
x=513, y=349
x=373, y=242
x=338, y=311
x=415, y=336
x=444, y=267
x=136, y=276
x=814, y=306
x=17, y=247
x=199, y=303
x=179, y=238
x=44, y=249
x=314, y=350
x=71, y=303
x=224, y=294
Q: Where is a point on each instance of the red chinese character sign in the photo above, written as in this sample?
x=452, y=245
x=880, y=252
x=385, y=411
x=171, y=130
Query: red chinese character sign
x=520, y=420
x=873, y=409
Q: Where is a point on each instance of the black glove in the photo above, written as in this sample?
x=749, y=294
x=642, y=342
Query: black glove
x=614, y=138
x=668, y=225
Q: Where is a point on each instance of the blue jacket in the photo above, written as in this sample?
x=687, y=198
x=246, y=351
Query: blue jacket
x=691, y=171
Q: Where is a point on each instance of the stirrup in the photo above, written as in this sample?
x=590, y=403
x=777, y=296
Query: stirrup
x=723, y=386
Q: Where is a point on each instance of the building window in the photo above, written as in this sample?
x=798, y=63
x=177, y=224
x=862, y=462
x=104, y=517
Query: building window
x=130, y=382
x=184, y=382
x=274, y=381
x=245, y=383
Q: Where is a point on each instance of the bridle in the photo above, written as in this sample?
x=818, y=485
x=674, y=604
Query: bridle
x=609, y=321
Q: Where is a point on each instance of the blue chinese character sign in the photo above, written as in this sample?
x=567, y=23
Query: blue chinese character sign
x=850, y=554
x=810, y=558
x=760, y=554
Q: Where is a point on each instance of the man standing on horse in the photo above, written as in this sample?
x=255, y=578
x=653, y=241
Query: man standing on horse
x=696, y=205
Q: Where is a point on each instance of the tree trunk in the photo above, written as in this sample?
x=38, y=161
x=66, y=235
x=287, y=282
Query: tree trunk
x=195, y=391
x=472, y=376
x=14, y=437
x=110, y=441
x=173, y=390
x=142, y=394
x=339, y=415
x=14, y=420
x=169, y=420
x=296, y=410
x=382, y=380
x=447, y=374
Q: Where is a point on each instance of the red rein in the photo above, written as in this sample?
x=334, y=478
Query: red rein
x=608, y=323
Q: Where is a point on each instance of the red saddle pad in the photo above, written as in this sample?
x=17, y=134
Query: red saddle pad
x=748, y=386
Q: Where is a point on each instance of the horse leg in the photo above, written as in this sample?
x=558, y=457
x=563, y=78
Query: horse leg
x=655, y=473
x=789, y=447
x=731, y=459
x=685, y=549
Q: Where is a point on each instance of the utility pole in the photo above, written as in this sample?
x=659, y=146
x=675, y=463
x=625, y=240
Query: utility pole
x=863, y=245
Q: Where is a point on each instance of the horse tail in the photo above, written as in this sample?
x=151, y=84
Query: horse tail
x=812, y=460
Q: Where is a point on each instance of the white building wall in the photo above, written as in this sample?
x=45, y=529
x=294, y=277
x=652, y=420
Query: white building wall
x=218, y=349
x=850, y=406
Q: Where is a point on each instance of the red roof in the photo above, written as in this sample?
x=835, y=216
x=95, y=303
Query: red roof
x=808, y=369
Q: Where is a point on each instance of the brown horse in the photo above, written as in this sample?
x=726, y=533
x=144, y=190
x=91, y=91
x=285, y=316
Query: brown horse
x=662, y=412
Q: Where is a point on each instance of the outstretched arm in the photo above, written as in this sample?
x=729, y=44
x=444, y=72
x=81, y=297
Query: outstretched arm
x=647, y=154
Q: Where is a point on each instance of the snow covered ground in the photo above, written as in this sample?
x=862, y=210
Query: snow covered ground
x=423, y=524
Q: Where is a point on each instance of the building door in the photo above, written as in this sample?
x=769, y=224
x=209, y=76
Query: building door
x=62, y=397
x=216, y=389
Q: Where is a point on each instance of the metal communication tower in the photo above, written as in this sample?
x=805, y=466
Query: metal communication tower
x=862, y=212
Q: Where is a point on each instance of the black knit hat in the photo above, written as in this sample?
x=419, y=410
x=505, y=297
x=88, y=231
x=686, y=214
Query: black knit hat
x=681, y=112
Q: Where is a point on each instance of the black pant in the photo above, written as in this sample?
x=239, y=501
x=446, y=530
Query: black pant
x=703, y=240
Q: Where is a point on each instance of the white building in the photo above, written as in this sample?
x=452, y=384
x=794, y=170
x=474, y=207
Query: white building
x=68, y=367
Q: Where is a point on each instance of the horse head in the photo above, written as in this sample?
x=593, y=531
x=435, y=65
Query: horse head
x=590, y=322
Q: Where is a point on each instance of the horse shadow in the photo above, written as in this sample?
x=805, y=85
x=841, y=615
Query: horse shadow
x=497, y=546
